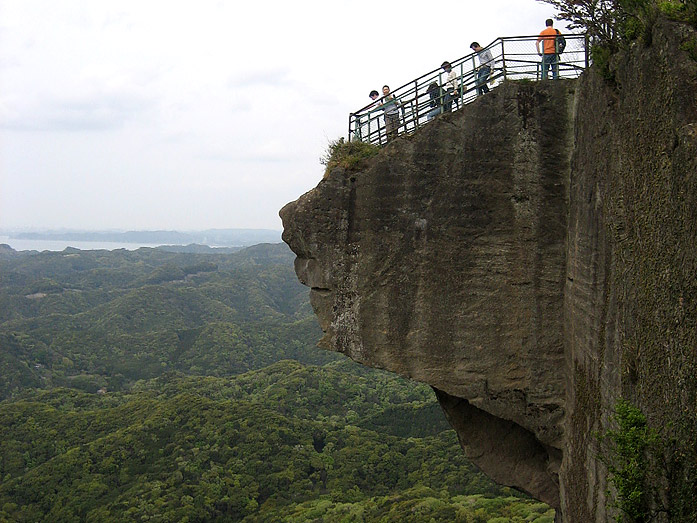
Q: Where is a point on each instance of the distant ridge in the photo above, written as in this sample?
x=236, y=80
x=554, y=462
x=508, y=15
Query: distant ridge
x=210, y=237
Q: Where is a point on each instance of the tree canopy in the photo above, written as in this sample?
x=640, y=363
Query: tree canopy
x=161, y=386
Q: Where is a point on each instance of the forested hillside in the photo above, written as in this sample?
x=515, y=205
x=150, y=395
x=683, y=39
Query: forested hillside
x=160, y=386
x=95, y=319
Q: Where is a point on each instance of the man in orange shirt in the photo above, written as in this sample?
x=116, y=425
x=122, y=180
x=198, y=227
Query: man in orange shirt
x=548, y=37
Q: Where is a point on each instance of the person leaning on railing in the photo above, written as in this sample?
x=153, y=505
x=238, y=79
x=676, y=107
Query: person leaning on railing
x=435, y=94
x=363, y=117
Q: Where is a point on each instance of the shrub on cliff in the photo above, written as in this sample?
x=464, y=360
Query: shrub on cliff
x=349, y=155
x=612, y=22
x=634, y=448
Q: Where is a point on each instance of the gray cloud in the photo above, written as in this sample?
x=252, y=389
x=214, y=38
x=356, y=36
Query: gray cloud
x=260, y=78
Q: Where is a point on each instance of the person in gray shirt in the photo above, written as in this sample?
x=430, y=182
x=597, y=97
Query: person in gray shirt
x=486, y=64
x=390, y=106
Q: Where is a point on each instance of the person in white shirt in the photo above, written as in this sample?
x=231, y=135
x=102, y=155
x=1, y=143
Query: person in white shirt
x=450, y=87
x=374, y=95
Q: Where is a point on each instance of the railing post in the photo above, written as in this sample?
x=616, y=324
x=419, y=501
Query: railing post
x=503, y=57
x=416, y=104
x=461, y=80
x=586, y=43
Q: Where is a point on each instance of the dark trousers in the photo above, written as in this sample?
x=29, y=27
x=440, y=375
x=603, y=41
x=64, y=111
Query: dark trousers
x=448, y=102
x=391, y=125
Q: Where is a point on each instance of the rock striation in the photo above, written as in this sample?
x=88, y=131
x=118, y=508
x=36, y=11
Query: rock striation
x=487, y=255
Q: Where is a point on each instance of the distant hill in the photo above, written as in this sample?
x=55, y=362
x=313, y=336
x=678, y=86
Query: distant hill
x=210, y=237
x=89, y=319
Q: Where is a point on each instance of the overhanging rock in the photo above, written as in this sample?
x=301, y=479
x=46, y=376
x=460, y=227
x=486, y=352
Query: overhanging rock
x=443, y=261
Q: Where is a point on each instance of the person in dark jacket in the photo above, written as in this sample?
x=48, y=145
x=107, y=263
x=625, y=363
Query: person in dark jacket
x=435, y=94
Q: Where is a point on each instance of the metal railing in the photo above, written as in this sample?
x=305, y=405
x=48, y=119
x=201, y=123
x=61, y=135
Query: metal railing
x=515, y=58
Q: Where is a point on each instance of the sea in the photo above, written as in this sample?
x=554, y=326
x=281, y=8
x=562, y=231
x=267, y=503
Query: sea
x=60, y=245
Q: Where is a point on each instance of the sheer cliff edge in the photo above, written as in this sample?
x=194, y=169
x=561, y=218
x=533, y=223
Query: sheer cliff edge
x=532, y=257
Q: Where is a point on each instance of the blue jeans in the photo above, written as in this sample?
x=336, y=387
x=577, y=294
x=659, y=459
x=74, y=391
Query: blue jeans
x=482, y=79
x=547, y=60
x=433, y=113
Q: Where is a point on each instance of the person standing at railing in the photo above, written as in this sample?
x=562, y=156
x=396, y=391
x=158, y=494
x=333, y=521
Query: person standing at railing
x=450, y=86
x=549, y=53
x=363, y=118
x=390, y=106
x=486, y=64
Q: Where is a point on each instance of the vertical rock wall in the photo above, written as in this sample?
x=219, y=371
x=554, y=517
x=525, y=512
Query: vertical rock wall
x=631, y=290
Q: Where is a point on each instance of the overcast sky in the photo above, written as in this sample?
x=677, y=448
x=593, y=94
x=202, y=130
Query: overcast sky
x=146, y=114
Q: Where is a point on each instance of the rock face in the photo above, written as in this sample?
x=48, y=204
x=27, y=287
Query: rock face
x=630, y=298
x=445, y=263
x=478, y=256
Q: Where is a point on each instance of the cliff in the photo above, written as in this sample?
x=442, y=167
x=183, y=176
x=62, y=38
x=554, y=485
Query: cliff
x=532, y=257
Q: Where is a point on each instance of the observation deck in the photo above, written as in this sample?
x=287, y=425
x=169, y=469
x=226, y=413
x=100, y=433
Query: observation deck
x=514, y=58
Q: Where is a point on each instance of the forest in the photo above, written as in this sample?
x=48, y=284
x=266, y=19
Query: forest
x=154, y=385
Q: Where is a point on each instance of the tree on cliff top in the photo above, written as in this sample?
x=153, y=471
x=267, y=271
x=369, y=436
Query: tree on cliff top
x=612, y=22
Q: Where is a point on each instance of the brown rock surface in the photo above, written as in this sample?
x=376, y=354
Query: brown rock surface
x=630, y=298
x=444, y=262
x=532, y=257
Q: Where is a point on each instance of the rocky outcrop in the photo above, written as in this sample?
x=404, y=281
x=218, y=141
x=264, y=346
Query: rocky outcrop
x=444, y=262
x=492, y=254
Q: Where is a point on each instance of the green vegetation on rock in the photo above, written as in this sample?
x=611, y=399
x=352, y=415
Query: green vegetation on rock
x=631, y=461
x=349, y=155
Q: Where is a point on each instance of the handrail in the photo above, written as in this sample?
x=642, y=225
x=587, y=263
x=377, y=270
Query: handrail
x=515, y=58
